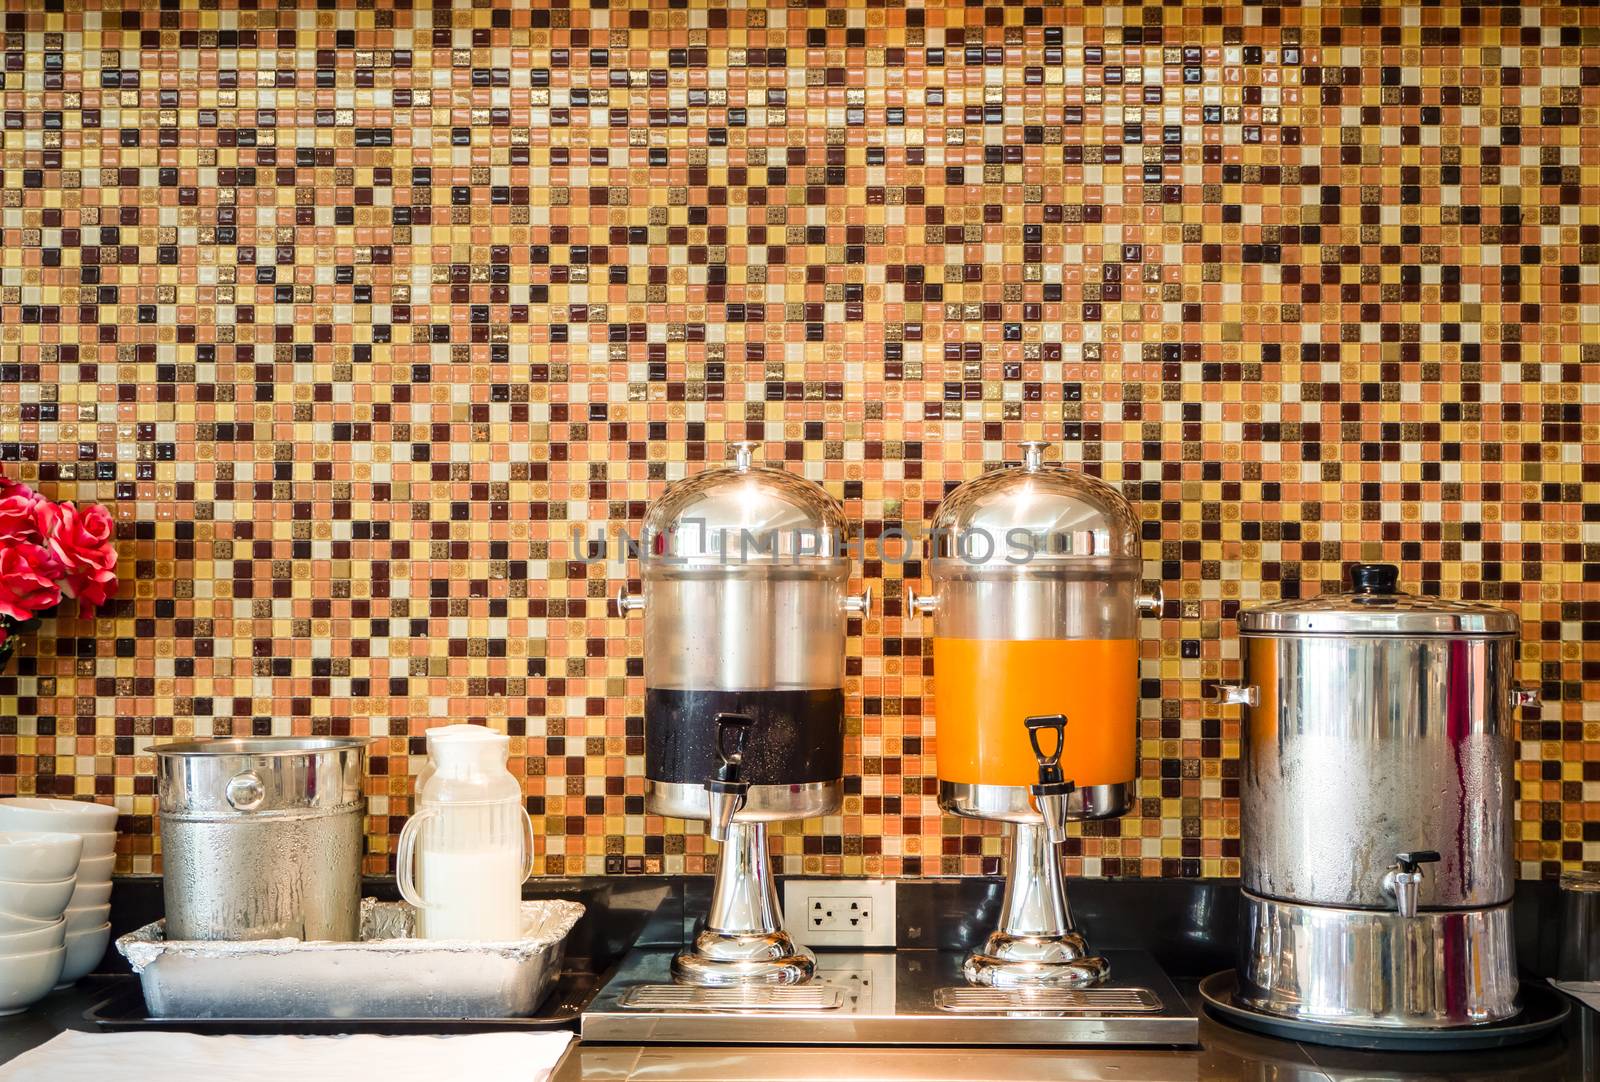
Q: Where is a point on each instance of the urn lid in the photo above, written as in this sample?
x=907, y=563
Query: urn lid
x=1375, y=605
x=1035, y=515
x=744, y=514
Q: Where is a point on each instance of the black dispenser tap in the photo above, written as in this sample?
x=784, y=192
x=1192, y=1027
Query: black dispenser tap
x=726, y=791
x=1050, y=795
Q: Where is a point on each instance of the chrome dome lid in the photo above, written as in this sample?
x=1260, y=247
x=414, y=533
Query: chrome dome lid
x=1034, y=515
x=744, y=514
x=1376, y=606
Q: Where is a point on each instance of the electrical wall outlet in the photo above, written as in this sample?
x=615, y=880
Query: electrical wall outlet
x=840, y=912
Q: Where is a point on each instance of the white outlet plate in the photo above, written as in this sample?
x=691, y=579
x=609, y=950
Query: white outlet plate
x=840, y=912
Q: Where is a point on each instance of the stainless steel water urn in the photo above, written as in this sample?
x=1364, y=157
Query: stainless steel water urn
x=1376, y=808
x=744, y=570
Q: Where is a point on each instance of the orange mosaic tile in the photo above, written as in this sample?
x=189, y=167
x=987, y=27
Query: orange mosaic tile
x=351, y=312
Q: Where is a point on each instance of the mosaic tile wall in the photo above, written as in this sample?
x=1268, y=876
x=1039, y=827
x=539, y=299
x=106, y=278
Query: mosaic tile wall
x=352, y=313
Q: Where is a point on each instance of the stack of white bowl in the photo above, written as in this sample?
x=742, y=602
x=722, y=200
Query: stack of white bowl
x=87, y=912
x=37, y=876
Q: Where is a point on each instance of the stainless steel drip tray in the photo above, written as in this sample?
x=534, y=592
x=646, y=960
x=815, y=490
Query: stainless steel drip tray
x=895, y=998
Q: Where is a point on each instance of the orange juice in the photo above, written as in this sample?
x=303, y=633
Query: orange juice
x=984, y=688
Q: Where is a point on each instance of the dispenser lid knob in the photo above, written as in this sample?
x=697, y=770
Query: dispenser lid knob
x=1375, y=578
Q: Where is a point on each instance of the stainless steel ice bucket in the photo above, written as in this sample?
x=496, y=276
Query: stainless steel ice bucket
x=262, y=838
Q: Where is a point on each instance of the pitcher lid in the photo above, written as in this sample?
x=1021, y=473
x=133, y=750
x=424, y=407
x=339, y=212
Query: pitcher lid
x=1375, y=605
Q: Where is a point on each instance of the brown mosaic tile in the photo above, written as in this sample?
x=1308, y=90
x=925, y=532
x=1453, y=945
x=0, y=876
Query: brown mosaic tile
x=351, y=311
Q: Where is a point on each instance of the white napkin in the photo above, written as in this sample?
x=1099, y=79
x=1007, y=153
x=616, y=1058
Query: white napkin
x=178, y=1057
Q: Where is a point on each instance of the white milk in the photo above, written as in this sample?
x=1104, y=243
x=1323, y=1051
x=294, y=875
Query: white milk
x=471, y=893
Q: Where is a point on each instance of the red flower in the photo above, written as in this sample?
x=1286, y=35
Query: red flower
x=80, y=541
x=27, y=580
x=19, y=506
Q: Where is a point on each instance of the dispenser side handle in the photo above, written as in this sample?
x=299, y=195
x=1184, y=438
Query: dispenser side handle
x=627, y=602
x=919, y=604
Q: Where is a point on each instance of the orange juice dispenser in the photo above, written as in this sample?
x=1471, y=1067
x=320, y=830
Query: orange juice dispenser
x=1035, y=608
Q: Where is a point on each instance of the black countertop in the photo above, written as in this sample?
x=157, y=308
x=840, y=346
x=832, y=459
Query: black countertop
x=1225, y=1054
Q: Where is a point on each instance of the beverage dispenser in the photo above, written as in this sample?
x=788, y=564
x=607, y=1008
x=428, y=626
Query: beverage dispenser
x=1376, y=822
x=1035, y=609
x=744, y=574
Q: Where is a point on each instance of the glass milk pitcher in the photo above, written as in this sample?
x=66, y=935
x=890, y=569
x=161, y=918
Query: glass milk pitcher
x=465, y=853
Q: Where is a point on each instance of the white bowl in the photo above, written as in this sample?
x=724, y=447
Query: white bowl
x=84, y=951
x=12, y=922
x=85, y=895
x=30, y=856
x=96, y=869
x=98, y=843
x=88, y=916
x=27, y=978
x=41, y=901
x=46, y=937
x=46, y=813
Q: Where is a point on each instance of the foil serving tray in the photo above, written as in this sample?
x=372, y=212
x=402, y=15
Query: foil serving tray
x=909, y=997
x=387, y=974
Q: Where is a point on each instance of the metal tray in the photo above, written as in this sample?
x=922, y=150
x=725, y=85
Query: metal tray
x=1543, y=1009
x=386, y=974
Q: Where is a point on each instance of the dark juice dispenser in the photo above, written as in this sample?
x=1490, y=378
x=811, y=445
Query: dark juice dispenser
x=744, y=574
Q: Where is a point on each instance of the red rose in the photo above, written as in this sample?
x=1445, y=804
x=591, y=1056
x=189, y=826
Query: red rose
x=27, y=580
x=19, y=507
x=80, y=540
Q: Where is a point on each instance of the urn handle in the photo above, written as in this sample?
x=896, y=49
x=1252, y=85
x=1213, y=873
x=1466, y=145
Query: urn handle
x=1238, y=695
x=1524, y=697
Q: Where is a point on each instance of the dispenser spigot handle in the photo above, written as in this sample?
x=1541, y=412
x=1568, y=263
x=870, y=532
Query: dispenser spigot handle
x=1049, y=763
x=1404, y=879
x=732, y=731
x=726, y=792
x=1414, y=860
x=1050, y=795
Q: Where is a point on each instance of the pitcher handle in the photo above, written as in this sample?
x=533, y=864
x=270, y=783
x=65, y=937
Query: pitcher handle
x=527, y=836
x=405, y=856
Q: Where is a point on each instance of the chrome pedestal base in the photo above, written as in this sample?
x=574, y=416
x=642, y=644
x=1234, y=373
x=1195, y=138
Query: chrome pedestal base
x=1036, y=944
x=1367, y=967
x=743, y=941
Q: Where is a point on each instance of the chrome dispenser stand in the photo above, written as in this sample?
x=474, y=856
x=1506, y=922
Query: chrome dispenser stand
x=743, y=941
x=1037, y=943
